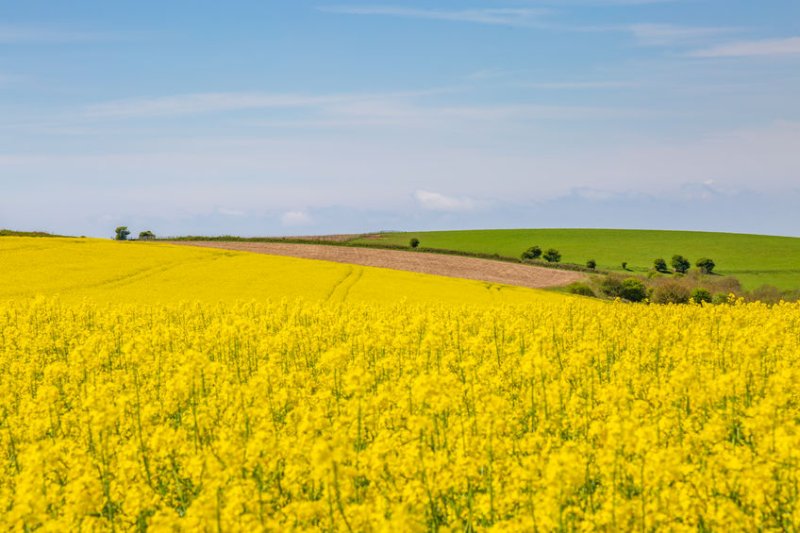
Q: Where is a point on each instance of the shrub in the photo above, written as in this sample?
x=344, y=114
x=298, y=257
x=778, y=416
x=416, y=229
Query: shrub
x=633, y=290
x=534, y=252
x=720, y=298
x=414, y=242
x=581, y=289
x=122, y=233
x=552, y=256
x=624, y=265
x=705, y=265
x=766, y=294
x=671, y=293
x=660, y=265
x=591, y=263
x=147, y=235
x=611, y=286
x=680, y=264
x=701, y=295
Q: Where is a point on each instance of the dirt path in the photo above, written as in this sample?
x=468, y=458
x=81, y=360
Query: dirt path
x=439, y=264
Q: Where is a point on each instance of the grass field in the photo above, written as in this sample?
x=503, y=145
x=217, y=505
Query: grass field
x=110, y=271
x=754, y=259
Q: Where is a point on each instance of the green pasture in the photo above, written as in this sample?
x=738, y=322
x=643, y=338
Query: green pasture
x=754, y=259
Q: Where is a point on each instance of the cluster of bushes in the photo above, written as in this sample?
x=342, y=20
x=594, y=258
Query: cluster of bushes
x=122, y=233
x=551, y=255
x=696, y=286
x=681, y=265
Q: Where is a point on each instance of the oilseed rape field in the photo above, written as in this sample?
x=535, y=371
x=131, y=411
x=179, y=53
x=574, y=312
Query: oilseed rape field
x=142, y=387
x=130, y=272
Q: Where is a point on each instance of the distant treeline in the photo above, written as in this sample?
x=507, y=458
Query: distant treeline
x=12, y=233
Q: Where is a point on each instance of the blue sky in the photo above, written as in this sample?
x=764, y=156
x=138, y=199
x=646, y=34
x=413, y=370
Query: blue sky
x=301, y=117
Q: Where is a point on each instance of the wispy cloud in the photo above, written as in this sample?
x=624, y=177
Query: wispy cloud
x=190, y=104
x=491, y=16
x=434, y=201
x=578, y=85
x=228, y=212
x=762, y=48
x=400, y=108
x=198, y=103
x=6, y=79
x=43, y=35
x=670, y=35
x=296, y=219
x=536, y=18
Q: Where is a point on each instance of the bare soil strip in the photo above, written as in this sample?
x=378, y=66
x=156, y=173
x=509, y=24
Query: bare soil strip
x=426, y=263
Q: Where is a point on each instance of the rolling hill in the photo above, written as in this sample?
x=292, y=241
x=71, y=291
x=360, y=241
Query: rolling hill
x=754, y=259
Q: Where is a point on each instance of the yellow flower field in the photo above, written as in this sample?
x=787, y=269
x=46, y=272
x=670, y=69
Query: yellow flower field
x=135, y=272
x=286, y=414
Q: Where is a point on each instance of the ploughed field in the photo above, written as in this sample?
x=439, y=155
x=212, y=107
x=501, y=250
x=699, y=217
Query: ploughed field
x=150, y=386
x=754, y=259
x=428, y=263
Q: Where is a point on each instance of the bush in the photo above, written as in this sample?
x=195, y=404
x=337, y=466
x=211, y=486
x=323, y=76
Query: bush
x=680, y=264
x=591, y=264
x=581, y=289
x=147, y=235
x=122, y=233
x=766, y=294
x=701, y=295
x=671, y=293
x=624, y=265
x=705, y=265
x=611, y=286
x=660, y=265
x=552, y=256
x=633, y=290
x=720, y=298
x=414, y=242
x=534, y=252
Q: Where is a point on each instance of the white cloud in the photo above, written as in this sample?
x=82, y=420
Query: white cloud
x=578, y=85
x=407, y=109
x=39, y=35
x=762, y=48
x=197, y=103
x=434, y=201
x=188, y=104
x=230, y=212
x=490, y=16
x=670, y=35
x=296, y=218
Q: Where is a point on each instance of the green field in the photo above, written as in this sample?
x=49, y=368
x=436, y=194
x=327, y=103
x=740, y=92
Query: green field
x=754, y=259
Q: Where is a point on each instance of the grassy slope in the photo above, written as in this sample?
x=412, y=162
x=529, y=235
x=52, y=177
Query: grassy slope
x=109, y=271
x=754, y=259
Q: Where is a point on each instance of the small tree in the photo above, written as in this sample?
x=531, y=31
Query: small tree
x=122, y=233
x=591, y=264
x=552, y=256
x=414, y=242
x=534, y=252
x=705, y=265
x=680, y=264
x=633, y=290
x=701, y=295
x=660, y=265
x=147, y=235
x=624, y=265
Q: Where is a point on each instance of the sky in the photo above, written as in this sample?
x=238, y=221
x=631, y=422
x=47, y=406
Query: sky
x=313, y=117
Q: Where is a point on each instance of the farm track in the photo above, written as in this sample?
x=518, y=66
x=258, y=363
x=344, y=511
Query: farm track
x=438, y=264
